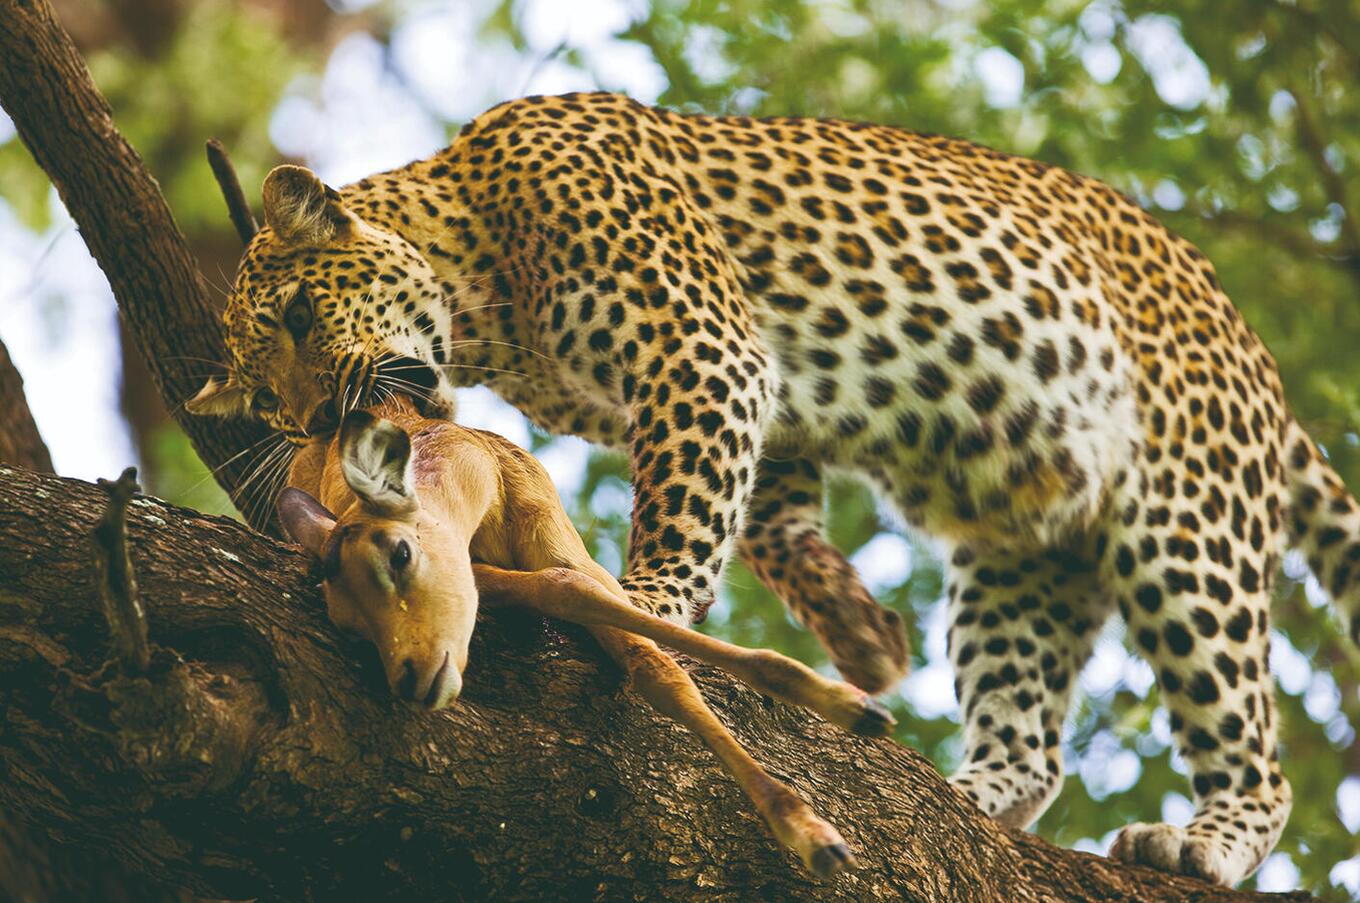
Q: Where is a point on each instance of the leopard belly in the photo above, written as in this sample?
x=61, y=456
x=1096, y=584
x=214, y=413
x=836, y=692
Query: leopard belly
x=977, y=421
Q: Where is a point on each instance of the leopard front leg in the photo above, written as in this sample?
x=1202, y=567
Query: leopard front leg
x=785, y=546
x=694, y=440
x=645, y=316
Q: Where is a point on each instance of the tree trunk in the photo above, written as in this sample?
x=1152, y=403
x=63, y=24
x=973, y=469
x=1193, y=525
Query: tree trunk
x=262, y=756
x=20, y=442
x=67, y=126
x=34, y=866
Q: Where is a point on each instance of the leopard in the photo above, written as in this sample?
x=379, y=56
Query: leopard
x=1026, y=366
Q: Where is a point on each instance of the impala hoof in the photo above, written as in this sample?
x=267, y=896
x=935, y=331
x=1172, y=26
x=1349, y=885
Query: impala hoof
x=831, y=860
x=876, y=721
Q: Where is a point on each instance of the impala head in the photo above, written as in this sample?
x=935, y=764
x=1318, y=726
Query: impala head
x=393, y=574
x=325, y=305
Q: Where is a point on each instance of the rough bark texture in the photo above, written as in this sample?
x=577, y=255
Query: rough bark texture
x=27, y=867
x=264, y=757
x=34, y=867
x=67, y=126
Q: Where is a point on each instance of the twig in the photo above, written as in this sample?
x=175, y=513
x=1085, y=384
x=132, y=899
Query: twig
x=1296, y=242
x=1333, y=185
x=117, y=582
x=237, y=205
x=1316, y=23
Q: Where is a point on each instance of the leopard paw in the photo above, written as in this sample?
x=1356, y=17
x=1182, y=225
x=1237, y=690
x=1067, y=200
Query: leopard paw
x=1173, y=849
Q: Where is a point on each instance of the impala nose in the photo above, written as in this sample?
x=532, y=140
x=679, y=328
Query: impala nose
x=445, y=686
x=324, y=419
x=406, y=685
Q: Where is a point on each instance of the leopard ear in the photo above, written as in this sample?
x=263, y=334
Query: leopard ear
x=301, y=209
x=222, y=398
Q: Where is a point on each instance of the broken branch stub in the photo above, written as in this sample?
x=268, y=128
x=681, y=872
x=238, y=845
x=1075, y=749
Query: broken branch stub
x=238, y=208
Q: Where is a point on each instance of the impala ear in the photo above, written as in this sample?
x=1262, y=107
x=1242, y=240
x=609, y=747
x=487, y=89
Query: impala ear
x=301, y=209
x=221, y=397
x=375, y=457
x=305, y=520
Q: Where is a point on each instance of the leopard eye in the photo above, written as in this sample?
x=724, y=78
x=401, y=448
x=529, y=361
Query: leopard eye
x=297, y=316
x=264, y=400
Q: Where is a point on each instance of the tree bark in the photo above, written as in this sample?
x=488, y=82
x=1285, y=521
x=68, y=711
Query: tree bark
x=35, y=867
x=20, y=441
x=26, y=866
x=264, y=757
x=67, y=126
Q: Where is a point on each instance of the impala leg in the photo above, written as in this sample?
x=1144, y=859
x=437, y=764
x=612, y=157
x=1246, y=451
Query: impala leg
x=578, y=597
x=669, y=690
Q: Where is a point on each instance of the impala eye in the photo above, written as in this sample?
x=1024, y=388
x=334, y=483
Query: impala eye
x=297, y=316
x=264, y=400
x=401, y=556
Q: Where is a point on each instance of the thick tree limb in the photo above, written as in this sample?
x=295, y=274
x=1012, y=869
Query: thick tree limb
x=33, y=868
x=265, y=757
x=67, y=126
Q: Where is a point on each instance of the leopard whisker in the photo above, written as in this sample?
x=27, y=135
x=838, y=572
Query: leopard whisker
x=197, y=360
x=407, y=386
x=473, y=310
x=272, y=471
x=432, y=242
x=276, y=435
x=248, y=490
x=472, y=343
x=225, y=286
x=484, y=367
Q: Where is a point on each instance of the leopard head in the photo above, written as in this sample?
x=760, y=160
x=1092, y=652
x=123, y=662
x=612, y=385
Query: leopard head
x=326, y=308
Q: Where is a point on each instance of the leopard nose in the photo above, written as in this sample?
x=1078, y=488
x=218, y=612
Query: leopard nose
x=324, y=419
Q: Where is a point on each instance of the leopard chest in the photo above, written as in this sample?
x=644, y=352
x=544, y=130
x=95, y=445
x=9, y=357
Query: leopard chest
x=555, y=401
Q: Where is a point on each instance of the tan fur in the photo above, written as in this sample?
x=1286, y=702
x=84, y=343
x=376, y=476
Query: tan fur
x=490, y=526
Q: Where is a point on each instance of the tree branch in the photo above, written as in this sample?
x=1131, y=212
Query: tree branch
x=265, y=757
x=34, y=866
x=1315, y=23
x=67, y=126
x=238, y=208
x=1333, y=185
x=1296, y=242
x=20, y=441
